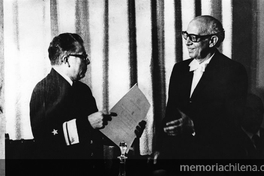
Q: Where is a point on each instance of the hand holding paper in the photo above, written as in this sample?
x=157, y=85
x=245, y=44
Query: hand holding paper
x=100, y=119
x=140, y=128
x=131, y=110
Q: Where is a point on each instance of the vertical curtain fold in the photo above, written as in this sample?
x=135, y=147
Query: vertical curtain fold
x=106, y=58
x=16, y=71
x=144, y=60
x=217, y=11
x=2, y=90
x=82, y=28
x=54, y=18
x=178, y=31
x=157, y=63
x=242, y=34
x=132, y=42
x=198, y=7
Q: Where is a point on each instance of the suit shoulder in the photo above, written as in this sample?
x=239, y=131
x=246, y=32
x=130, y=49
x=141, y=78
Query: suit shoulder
x=184, y=62
x=82, y=86
x=41, y=84
x=230, y=63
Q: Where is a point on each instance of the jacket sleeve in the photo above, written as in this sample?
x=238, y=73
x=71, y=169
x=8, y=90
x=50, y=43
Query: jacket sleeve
x=236, y=96
x=61, y=118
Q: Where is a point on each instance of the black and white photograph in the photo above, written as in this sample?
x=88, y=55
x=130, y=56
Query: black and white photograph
x=131, y=87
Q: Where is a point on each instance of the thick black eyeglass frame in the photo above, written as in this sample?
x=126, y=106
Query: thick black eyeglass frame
x=83, y=57
x=195, y=38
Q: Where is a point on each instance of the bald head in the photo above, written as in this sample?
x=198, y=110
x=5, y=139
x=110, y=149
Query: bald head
x=209, y=25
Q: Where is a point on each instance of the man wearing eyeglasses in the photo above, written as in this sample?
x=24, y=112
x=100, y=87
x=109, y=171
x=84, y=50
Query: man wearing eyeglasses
x=63, y=112
x=60, y=102
x=206, y=97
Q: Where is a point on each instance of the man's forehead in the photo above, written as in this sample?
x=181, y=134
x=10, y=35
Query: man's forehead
x=199, y=25
x=195, y=27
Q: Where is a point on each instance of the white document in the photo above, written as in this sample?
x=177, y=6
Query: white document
x=131, y=109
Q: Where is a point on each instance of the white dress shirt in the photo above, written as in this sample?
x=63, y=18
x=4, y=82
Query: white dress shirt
x=67, y=78
x=198, y=69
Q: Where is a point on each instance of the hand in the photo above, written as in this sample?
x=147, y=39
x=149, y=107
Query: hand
x=100, y=119
x=140, y=128
x=175, y=127
x=153, y=158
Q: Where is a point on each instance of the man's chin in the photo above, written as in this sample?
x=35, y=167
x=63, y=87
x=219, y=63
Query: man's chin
x=82, y=74
x=191, y=55
x=81, y=77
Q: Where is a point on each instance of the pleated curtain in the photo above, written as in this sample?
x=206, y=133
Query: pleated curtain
x=129, y=42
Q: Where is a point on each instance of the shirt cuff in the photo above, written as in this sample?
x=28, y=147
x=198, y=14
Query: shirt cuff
x=70, y=132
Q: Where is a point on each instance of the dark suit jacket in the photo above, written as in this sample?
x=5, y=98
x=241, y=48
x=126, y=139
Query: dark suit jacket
x=54, y=102
x=215, y=107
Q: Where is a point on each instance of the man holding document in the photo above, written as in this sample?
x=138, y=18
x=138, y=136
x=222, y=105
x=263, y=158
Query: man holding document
x=64, y=117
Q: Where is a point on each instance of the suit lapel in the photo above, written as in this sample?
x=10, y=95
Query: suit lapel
x=189, y=77
x=187, y=80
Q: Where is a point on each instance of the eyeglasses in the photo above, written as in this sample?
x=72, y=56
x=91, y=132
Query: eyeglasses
x=195, y=38
x=83, y=57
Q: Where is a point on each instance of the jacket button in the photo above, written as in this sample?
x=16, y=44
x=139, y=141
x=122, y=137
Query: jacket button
x=91, y=142
x=92, y=154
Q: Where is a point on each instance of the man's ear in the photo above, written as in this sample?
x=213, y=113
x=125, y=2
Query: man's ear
x=64, y=59
x=213, y=41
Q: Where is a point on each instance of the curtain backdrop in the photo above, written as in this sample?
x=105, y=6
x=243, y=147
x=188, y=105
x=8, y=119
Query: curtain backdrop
x=129, y=41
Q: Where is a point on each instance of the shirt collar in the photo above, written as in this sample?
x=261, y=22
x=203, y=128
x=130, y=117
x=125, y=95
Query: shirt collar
x=194, y=65
x=67, y=78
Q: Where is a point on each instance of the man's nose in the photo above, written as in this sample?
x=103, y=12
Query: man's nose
x=188, y=41
x=87, y=62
